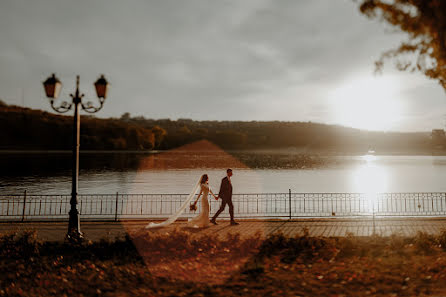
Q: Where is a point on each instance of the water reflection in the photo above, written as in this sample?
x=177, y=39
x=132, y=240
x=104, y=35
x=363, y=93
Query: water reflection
x=50, y=173
x=370, y=178
x=177, y=170
x=59, y=163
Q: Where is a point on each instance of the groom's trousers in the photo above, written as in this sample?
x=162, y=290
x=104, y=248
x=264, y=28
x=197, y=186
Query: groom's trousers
x=222, y=207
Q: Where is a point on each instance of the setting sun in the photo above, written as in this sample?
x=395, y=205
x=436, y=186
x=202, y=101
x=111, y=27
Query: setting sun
x=370, y=103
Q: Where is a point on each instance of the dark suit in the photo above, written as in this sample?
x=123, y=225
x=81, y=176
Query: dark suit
x=225, y=194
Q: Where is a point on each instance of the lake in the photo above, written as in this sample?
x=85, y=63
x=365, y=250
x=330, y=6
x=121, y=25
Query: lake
x=177, y=172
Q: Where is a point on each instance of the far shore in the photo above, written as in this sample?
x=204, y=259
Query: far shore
x=290, y=151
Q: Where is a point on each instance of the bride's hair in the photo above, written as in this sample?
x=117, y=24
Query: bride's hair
x=204, y=178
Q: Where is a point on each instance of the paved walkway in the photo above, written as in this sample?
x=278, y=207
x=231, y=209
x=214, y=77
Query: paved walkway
x=55, y=231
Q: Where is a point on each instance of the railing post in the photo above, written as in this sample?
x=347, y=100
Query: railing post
x=444, y=202
x=24, y=206
x=116, y=208
x=289, y=199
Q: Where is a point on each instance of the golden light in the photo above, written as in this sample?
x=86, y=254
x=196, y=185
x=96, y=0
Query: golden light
x=370, y=179
x=369, y=158
x=190, y=160
x=370, y=103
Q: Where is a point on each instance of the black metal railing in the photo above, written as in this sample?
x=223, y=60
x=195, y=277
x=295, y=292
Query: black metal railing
x=117, y=206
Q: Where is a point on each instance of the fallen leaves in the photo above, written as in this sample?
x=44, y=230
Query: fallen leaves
x=182, y=266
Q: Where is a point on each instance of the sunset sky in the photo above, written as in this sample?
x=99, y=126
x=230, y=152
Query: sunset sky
x=288, y=60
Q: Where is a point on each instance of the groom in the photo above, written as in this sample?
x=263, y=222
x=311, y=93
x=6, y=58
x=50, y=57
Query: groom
x=226, y=196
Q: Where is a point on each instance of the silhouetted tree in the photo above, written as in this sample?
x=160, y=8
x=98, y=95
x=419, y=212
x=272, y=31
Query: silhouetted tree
x=159, y=134
x=125, y=116
x=425, y=23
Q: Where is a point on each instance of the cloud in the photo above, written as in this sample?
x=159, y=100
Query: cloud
x=200, y=59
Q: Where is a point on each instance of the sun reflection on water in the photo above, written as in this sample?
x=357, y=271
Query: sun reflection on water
x=370, y=179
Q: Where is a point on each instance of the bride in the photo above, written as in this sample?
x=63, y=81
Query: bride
x=200, y=221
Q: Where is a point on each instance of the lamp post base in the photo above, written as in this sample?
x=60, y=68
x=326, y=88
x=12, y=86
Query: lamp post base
x=74, y=234
x=75, y=237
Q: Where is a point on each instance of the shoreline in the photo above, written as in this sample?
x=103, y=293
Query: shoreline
x=290, y=151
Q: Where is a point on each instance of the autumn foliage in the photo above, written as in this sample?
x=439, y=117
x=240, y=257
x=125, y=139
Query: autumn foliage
x=25, y=128
x=424, y=21
x=181, y=264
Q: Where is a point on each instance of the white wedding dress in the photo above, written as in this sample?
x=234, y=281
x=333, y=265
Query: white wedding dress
x=202, y=220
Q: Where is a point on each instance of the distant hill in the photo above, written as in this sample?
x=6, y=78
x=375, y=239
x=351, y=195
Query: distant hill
x=25, y=128
x=298, y=136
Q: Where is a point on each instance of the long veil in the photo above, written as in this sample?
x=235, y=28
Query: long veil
x=175, y=216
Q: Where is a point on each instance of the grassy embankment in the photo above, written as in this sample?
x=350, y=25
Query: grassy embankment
x=180, y=265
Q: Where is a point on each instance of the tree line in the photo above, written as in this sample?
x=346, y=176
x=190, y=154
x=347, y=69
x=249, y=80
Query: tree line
x=304, y=136
x=25, y=128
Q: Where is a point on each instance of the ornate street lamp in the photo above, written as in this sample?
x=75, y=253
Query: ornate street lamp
x=52, y=88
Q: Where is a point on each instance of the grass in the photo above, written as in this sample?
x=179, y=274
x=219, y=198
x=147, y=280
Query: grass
x=178, y=264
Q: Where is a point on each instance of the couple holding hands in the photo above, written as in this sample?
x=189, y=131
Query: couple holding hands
x=202, y=220
x=225, y=194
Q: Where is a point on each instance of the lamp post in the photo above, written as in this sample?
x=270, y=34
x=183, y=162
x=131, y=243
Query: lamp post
x=52, y=89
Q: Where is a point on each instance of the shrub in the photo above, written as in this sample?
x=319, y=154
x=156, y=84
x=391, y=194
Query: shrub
x=442, y=239
x=20, y=244
x=303, y=247
x=425, y=243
